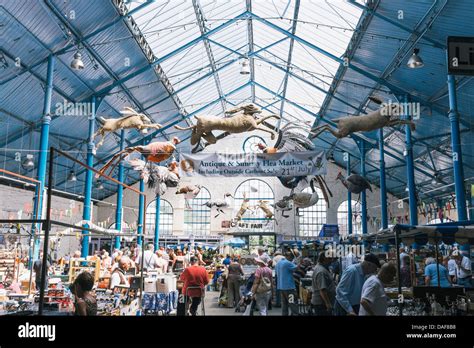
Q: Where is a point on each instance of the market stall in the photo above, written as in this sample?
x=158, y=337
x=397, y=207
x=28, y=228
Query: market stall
x=452, y=298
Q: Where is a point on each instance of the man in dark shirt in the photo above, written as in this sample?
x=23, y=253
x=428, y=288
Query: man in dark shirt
x=196, y=277
x=324, y=288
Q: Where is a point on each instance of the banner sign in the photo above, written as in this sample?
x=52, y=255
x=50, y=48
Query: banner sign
x=460, y=55
x=278, y=164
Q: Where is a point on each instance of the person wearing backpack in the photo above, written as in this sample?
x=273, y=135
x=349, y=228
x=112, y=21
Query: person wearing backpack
x=262, y=286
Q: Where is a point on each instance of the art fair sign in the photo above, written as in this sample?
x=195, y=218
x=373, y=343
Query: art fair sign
x=278, y=164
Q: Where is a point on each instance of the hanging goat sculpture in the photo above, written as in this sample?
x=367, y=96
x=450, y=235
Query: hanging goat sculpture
x=240, y=123
x=387, y=116
x=154, y=152
x=243, y=209
x=157, y=177
x=130, y=119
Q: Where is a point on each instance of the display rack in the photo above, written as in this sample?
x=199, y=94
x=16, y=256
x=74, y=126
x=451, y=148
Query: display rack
x=7, y=264
x=76, y=266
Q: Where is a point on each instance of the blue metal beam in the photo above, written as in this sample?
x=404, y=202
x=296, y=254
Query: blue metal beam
x=119, y=207
x=205, y=76
x=397, y=24
x=93, y=53
x=410, y=173
x=202, y=27
x=290, y=56
x=349, y=197
x=363, y=196
x=86, y=213
x=392, y=87
x=290, y=73
x=457, y=150
x=157, y=222
x=44, y=146
x=383, y=185
x=416, y=34
x=85, y=38
x=178, y=50
x=309, y=83
x=354, y=43
x=248, y=6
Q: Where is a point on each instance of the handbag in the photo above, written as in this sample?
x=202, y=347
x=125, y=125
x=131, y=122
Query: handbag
x=264, y=285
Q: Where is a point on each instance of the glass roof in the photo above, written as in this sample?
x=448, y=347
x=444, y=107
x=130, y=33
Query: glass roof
x=285, y=71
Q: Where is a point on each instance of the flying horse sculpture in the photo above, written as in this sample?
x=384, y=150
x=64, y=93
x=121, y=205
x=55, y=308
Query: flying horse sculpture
x=244, y=122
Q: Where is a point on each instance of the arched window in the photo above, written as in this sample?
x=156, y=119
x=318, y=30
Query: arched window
x=197, y=218
x=343, y=219
x=256, y=191
x=312, y=218
x=166, y=218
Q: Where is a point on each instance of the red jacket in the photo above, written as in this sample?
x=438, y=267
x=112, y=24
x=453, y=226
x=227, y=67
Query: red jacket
x=194, y=276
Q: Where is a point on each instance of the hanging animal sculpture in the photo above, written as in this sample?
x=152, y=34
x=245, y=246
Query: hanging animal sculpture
x=263, y=205
x=154, y=152
x=297, y=200
x=387, y=116
x=219, y=204
x=130, y=119
x=158, y=178
x=240, y=123
x=190, y=192
x=243, y=209
x=291, y=138
x=354, y=183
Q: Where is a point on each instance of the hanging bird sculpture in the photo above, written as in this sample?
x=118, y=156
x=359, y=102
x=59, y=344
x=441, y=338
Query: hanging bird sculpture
x=219, y=204
x=354, y=183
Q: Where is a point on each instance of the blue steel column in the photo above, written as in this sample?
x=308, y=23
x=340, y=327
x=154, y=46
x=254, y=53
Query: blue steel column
x=157, y=222
x=119, y=208
x=141, y=209
x=86, y=213
x=383, y=186
x=363, y=198
x=43, y=155
x=349, y=198
x=457, y=153
x=410, y=171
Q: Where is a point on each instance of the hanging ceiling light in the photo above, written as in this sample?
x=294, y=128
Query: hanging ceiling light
x=28, y=162
x=415, y=60
x=77, y=63
x=72, y=176
x=245, y=70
